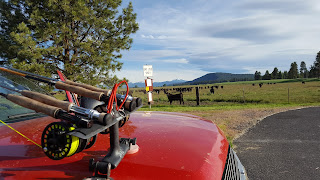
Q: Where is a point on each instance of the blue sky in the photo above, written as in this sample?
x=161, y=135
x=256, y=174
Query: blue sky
x=190, y=38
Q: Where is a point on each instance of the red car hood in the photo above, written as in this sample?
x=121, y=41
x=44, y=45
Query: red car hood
x=171, y=146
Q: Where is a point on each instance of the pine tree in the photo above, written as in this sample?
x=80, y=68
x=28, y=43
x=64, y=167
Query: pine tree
x=10, y=16
x=313, y=72
x=257, y=75
x=83, y=39
x=285, y=75
x=303, y=70
x=280, y=75
x=293, y=72
x=266, y=76
x=316, y=66
x=274, y=73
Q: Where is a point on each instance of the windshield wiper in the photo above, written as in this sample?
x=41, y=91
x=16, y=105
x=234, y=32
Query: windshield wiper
x=22, y=115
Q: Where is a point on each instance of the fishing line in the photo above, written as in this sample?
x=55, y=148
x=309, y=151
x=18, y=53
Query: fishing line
x=20, y=134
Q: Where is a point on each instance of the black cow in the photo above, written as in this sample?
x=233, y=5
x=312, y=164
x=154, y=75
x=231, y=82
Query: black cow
x=175, y=97
x=212, y=90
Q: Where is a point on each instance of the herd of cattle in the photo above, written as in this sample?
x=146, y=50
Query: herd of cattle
x=178, y=96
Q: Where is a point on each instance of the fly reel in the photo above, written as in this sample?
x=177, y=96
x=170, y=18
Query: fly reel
x=57, y=144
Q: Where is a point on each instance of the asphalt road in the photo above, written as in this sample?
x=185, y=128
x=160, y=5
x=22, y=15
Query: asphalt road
x=283, y=146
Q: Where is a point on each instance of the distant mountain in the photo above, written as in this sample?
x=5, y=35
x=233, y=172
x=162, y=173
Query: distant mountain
x=220, y=77
x=157, y=84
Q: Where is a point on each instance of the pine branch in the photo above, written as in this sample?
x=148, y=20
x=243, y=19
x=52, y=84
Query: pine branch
x=85, y=34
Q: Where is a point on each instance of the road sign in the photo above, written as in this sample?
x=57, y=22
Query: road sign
x=147, y=70
x=149, y=84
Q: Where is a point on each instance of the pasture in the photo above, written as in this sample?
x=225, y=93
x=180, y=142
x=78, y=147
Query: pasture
x=273, y=92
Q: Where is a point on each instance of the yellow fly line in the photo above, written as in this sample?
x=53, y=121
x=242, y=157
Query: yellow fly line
x=20, y=134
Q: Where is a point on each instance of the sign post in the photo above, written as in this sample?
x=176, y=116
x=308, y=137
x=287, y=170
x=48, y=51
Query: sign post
x=148, y=72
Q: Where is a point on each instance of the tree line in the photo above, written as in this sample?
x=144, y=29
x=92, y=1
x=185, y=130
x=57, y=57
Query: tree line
x=294, y=72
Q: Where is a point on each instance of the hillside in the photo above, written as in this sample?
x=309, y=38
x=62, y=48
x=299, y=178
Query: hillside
x=221, y=77
x=206, y=79
x=158, y=84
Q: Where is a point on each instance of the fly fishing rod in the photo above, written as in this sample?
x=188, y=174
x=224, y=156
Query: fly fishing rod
x=51, y=101
x=130, y=103
x=71, y=96
x=49, y=110
x=86, y=86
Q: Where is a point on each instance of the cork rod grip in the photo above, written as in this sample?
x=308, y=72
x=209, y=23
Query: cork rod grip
x=86, y=86
x=105, y=118
x=32, y=104
x=130, y=105
x=47, y=99
x=79, y=90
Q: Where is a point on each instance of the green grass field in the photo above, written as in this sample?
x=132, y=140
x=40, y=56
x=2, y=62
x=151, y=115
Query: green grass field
x=240, y=95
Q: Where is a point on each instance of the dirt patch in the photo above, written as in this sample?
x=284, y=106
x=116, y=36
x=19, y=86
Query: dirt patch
x=234, y=123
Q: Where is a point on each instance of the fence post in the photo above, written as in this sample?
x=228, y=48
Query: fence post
x=197, y=96
x=288, y=96
x=244, y=98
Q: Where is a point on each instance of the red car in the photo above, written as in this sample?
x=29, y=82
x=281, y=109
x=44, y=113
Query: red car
x=169, y=146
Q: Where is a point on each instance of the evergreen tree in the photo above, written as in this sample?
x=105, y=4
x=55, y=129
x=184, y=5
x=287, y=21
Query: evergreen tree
x=313, y=73
x=293, y=72
x=274, y=73
x=285, y=75
x=316, y=66
x=11, y=15
x=266, y=76
x=303, y=70
x=279, y=76
x=83, y=39
x=257, y=75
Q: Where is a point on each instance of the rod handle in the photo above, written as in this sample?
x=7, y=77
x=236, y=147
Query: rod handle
x=138, y=101
x=130, y=105
x=47, y=100
x=105, y=118
x=80, y=90
x=33, y=104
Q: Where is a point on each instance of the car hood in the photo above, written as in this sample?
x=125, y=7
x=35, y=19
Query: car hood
x=171, y=146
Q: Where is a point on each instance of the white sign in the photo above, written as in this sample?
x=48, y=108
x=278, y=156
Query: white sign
x=149, y=82
x=147, y=70
x=150, y=96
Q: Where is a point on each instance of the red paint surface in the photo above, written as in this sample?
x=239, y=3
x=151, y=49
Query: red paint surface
x=171, y=146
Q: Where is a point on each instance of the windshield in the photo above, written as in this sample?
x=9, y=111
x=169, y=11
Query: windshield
x=10, y=112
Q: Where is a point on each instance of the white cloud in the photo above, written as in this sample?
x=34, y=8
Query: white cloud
x=147, y=37
x=180, y=61
x=228, y=36
x=150, y=55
